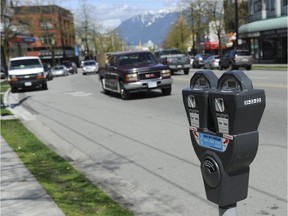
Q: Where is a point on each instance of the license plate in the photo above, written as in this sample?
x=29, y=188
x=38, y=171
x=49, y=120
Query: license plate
x=179, y=66
x=28, y=84
x=152, y=84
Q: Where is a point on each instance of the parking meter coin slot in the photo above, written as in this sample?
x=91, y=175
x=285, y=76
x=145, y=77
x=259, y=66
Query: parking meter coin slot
x=210, y=172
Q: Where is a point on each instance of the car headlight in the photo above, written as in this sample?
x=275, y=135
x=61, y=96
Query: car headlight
x=131, y=77
x=166, y=73
x=12, y=78
x=40, y=76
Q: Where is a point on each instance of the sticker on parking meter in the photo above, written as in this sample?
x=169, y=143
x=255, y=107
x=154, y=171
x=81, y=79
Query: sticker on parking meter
x=223, y=123
x=194, y=118
x=212, y=142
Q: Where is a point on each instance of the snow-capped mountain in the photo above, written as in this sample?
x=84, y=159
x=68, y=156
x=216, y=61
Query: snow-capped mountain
x=146, y=27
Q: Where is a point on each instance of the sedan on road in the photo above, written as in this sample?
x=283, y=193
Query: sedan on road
x=90, y=66
x=212, y=62
x=60, y=70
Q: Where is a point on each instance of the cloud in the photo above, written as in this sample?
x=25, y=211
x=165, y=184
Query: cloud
x=112, y=15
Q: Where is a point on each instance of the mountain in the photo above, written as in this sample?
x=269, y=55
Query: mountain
x=147, y=27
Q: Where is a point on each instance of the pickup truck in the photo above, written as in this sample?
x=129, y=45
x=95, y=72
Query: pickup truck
x=174, y=59
x=134, y=71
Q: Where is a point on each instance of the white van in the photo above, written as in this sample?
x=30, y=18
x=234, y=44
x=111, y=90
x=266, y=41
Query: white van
x=25, y=72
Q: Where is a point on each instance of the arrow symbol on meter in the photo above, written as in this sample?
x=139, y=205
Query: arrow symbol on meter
x=191, y=101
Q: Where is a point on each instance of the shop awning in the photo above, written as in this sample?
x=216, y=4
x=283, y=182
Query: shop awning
x=264, y=25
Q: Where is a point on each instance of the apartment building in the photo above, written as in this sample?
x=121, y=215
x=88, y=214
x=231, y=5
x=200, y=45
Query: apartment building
x=51, y=26
x=265, y=34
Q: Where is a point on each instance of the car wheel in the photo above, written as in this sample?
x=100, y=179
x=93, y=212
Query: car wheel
x=166, y=91
x=44, y=86
x=248, y=67
x=125, y=95
x=13, y=90
x=186, y=71
x=220, y=66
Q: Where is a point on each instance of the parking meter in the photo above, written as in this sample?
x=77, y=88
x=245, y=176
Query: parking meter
x=196, y=99
x=226, y=140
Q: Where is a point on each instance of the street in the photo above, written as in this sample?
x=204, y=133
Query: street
x=140, y=150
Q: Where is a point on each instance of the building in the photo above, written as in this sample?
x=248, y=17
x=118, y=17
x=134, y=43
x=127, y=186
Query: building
x=52, y=28
x=265, y=34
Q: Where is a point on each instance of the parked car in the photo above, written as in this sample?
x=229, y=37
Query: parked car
x=235, y=59
x=47, y=72
x=26, y=72
x=212, y=62
x=199, y=60
x=72, y=67
x=60, y=70
x=175, y=60
x=135, y=71
x=90, y=66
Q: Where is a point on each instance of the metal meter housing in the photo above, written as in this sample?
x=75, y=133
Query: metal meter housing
x=225, y=137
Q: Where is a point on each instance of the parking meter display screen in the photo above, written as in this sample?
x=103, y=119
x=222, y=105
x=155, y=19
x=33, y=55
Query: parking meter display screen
x=231, y=84
x=201, y=83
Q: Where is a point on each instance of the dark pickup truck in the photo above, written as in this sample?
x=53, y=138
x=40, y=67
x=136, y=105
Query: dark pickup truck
x=135, y=71
x=174, y=59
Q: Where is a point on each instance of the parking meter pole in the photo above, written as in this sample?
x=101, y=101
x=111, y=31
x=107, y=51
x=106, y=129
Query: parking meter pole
x=230, y=210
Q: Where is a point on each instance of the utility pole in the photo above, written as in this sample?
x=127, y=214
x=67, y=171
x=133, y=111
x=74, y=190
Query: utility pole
x=236, y=24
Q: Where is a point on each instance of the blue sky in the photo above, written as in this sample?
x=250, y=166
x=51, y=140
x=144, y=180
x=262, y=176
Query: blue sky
x=110, y=13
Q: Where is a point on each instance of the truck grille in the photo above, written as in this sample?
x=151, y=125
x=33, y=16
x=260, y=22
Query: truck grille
x=149, y=75
x=26, y=77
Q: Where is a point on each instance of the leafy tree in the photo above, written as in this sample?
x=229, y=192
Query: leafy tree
x=178, y=35
x=229, y=14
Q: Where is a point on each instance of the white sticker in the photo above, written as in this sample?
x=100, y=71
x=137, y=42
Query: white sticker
x=194, y=118
x=223, y=123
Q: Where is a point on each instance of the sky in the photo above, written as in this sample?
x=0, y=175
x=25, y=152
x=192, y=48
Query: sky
x=110, y=13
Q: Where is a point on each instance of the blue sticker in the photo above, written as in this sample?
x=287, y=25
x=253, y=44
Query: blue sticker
x=212, y=142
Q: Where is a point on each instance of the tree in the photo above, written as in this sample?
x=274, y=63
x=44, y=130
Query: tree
x=178, y=35
x=197, y=15
x=229, y=14
x=7, y=30
x=215, y=15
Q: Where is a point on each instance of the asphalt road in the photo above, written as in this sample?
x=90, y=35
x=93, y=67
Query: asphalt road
x=140, y=152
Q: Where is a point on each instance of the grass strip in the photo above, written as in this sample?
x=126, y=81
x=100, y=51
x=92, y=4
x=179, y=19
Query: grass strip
x=71, y=191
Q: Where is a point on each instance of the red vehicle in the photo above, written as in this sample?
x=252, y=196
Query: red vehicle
x=128, y=72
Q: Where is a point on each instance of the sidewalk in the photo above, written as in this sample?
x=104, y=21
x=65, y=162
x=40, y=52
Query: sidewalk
x=21, y=194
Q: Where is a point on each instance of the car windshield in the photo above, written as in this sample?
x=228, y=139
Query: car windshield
x=25, y=63
x=243, y=53
x=136, y=58
x=169, y=52
x=89, y=63
x=59, y=68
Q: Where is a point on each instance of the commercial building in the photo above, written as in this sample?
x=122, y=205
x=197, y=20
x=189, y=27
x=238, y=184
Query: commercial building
x=52, y=28
x=265, y=34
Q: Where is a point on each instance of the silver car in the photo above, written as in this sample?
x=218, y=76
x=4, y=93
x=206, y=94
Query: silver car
x=90, y=66
x=60, y=70
x=212, y=62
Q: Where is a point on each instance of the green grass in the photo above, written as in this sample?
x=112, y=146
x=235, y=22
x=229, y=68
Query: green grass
x=71, y=191
x=4, y=86
x=269, y=67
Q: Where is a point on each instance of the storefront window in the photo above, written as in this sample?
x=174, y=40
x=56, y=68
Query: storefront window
x=257, y=6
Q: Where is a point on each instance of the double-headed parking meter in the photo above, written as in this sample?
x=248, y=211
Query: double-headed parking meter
x=224, y=120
